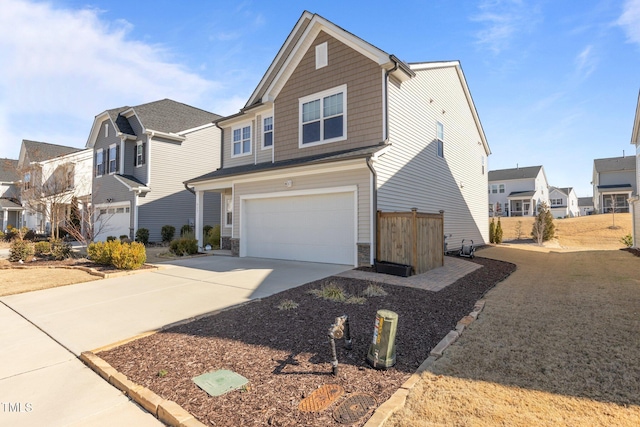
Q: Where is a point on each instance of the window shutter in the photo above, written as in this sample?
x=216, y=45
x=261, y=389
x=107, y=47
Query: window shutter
x=144, y=153
x=135, y=155
x=106, y=163
x=95, y=164
x=117, y=158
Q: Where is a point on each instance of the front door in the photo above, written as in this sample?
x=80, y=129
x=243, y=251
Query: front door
x=526, y=208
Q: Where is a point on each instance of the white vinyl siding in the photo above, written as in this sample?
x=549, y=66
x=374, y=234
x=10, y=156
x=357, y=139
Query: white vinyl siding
x=412, y=175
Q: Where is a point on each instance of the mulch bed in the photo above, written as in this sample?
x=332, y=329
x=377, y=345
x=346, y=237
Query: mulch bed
x=285, y=354
x=634, y=251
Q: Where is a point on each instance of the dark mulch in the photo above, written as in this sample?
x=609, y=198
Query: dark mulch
x=286, y=354
x=634, y=251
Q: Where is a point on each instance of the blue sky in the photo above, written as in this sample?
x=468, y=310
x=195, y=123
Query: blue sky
x=555, y=82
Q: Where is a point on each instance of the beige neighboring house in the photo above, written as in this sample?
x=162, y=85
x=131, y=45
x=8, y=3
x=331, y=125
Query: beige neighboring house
x=10, y=207
x=51, y=177
x=635, y=199
x=336, y=130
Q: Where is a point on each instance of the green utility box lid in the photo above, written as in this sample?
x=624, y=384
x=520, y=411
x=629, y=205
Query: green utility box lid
x=217, y=383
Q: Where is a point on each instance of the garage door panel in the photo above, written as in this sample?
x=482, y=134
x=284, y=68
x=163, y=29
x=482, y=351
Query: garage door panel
x=318, y=228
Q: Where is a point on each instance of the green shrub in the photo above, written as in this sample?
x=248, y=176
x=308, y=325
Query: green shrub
x=100, y=252
x=205, y=229
x=185, y=230
x=184, y=246
x=29, y=235
x=142, y=235
x=42, y=248
x=123, y=237
x=20, y=250
x=627, y=240
x=498, y=234
x=111, y=238
x=60, y=249
x=492, y=231
x=128, y=256
x=167, y=233
x=213, y=237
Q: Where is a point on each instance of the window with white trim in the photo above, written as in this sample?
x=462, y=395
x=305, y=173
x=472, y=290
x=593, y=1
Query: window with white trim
x=501, y=188
x=440, y=138
x=99, y=163
x=113, y=159
x=241, y=141
x=228, y=210
x=267, y=135
x=556, y=202
x=323, y=117
x=139, y=160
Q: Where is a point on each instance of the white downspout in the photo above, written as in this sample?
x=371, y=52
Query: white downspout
x=135, y=213
x=199, y=218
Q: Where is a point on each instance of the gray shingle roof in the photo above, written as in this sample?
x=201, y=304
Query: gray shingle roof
x=121, y=122
x=565, y=190
x=613, y=164
x=521, y=194
x=260, y=167
x=39, y=151
x=9, y=170
x=10, y=205
x=527, y=172
x=172, y=117
x=585, y=201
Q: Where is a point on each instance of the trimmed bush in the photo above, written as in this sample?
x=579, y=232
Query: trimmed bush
x=205, y=229
x=20, y=250
x=167, y=233
x=184, y=246
x=142, y=235
x=498, y=233
x=41, y=248
x=100, y=252
x=186, y=230
x=492, y=231
x=213, y=237
x=60, y=249
x=111, y=238
x=128, y=256
x=123, y=237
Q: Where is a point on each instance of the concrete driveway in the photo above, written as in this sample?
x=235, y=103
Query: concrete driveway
x=90, y=315
x=43, y=331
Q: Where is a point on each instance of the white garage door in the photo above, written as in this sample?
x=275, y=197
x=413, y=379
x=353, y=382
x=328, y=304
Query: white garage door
x=317, y=228
x=112, y=221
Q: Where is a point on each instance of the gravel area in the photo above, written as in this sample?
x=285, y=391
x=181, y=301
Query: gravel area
x=285, y=354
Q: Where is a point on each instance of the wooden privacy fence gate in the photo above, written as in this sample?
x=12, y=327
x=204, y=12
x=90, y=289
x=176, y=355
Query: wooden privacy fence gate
x=411, y=238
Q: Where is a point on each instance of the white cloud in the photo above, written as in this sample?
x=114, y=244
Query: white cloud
x=586, y=62
x=630, y=20
x=502, y=21
x=72, y=64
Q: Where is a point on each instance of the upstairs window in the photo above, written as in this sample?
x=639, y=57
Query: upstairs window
x=99, y=169
x=27, y=181
x=323, y=117
x=501, y=188
x=112, y=157
x=241, y=141
x=440, y=138
x=140, y=154
x=267, y=136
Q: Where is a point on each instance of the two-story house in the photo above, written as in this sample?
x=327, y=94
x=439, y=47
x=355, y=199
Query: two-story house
x=563, y=202
x=52, y=176
x=142, y=155
x=586, y=205
x=10, y=207
x=336, y=130
x=614, y=182
x=635, y=199
x=517, y=191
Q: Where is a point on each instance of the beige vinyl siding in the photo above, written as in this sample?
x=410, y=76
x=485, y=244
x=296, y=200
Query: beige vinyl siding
x=172, y=163
x=359, y=177
x=262, y=155
x=227, y=148
x=364, y=99
x=411, y=174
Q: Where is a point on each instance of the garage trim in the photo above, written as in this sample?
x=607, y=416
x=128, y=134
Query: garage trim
x=309, y=192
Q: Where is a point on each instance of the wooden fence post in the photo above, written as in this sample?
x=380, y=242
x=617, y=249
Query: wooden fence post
x=414, y=237
x=379, y=213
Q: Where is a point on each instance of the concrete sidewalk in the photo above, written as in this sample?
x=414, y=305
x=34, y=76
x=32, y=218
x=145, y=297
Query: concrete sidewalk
x=43, y=384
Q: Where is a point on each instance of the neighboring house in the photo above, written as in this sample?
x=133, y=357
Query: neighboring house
x=10, y=207
x=586, y=205
x=563, y=202
x=142, y=155
x=518, y=191
x=635, y=199
x=52, y=176
x=336, y=130
x=614, y=183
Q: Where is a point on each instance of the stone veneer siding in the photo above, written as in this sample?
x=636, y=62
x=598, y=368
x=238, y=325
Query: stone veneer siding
x=225, y=242
x=364, y=250
x=235, y=247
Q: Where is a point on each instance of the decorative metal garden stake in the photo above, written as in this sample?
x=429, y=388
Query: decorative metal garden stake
x=339, y=329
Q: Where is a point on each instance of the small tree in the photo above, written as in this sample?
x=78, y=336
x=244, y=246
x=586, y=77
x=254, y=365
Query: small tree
x=498, y=237
x=543, y=227
x=518, y=230
x=492, y=231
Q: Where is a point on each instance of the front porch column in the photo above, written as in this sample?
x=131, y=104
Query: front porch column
x=199, y=217
x=5, y=219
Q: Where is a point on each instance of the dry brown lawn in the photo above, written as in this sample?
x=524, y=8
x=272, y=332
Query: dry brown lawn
x=585, y=232
x=557, y=344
